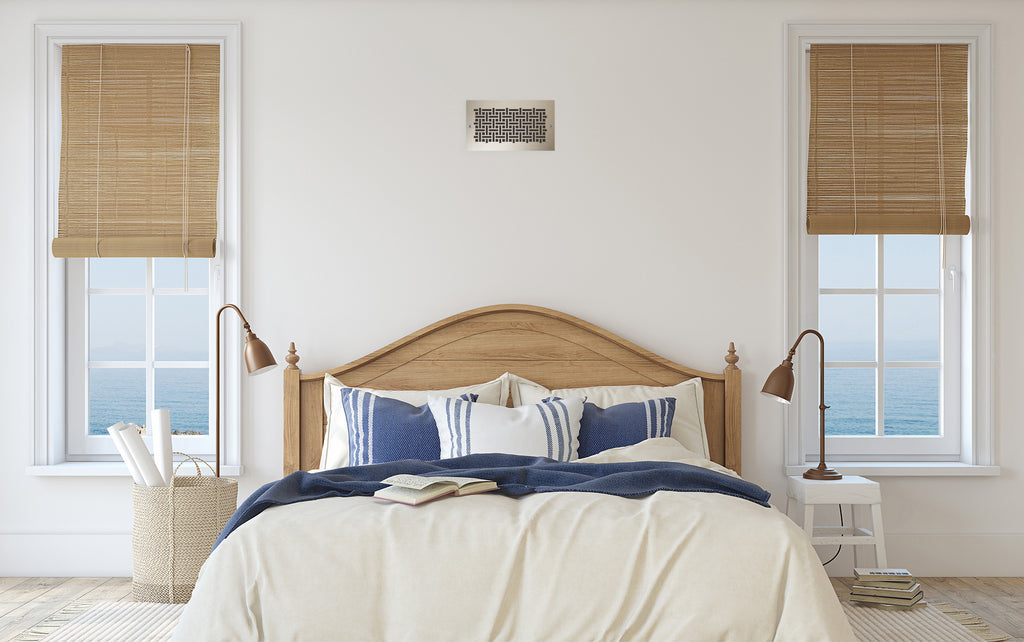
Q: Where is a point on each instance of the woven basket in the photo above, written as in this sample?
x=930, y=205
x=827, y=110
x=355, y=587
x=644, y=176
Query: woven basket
x=173, y=532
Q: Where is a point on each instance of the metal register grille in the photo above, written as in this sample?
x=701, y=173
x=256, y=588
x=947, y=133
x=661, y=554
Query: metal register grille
x=507, y=125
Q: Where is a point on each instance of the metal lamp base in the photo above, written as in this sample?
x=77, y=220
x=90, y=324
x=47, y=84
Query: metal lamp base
x=822, y=473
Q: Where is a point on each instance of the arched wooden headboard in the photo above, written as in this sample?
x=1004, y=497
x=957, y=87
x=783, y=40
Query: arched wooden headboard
x=546, y=346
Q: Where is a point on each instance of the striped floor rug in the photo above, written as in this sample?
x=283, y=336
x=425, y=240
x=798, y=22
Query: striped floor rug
x=934, y=622
x=143, y=621
x=107, y=622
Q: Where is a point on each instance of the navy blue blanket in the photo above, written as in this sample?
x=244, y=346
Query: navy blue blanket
x=516, y=475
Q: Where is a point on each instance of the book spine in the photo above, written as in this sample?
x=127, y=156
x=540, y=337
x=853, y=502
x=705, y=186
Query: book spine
x=898, y=596
x=886, y=600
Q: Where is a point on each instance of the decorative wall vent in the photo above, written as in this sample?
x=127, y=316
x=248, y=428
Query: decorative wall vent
x=507, y=125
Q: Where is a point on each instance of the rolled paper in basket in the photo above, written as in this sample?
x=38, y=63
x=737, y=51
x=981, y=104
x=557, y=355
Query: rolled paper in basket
x=137, y=449
x=161, y=421
x=133, y=469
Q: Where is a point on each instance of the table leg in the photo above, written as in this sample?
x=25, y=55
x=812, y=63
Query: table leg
x=853, y=530
x=879, y=533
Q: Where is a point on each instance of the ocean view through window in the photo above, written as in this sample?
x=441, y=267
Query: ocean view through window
x=911, y=401
x=119, y=394
x=880, y=308
x=148, y=343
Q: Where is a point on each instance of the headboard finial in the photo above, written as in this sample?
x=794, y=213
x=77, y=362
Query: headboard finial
x=292, y=358
x=732, y=358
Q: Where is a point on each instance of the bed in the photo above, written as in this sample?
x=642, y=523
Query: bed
x=537, y=565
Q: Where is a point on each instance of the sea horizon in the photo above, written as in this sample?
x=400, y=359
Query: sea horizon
x=912, y=394
x=118, y=394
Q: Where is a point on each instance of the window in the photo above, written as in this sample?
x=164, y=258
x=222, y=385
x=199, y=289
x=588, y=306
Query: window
x=120, y=336
x=905, y=316
x=139, y=330
x=893, y=345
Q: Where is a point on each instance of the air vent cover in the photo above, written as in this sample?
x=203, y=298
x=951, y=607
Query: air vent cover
x=508, y=125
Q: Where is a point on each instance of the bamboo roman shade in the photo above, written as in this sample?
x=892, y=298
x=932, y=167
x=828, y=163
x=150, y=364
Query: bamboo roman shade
x=887, y=152
x=140, y=150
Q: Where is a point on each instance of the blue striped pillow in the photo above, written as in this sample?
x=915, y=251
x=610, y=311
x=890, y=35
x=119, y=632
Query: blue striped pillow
x=624, y=424
x=540, y=430
x=382, y=429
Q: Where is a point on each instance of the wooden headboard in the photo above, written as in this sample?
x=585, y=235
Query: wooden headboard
x=552, y=348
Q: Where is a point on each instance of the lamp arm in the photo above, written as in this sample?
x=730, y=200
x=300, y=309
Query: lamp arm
x=235, y=308
x=216, y=433
x=821, y=365
x=258, y=358
x=821, y=392
x=792, y=351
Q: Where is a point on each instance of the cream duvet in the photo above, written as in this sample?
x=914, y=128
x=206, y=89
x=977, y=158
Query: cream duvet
x=548, y=566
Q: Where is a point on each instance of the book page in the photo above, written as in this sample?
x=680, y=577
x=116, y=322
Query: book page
x=414, y=481
x=461, y=481
x=414, y=496
x=894, y=573
x=419, y=481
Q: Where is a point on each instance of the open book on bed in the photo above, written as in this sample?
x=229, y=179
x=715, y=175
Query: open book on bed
x=416, y=489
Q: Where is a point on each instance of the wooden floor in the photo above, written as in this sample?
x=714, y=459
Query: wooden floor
x=997, y=600
x=25, y=601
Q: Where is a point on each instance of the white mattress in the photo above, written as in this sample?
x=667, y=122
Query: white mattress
x=551, y=566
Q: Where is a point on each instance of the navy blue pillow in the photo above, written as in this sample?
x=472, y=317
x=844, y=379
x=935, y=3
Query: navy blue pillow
x=624, y=424
x=382, y=429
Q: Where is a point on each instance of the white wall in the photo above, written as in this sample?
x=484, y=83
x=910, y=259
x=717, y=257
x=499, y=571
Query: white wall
x=659, y=218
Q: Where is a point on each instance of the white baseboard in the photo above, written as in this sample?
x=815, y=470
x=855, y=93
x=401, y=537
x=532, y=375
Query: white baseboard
x=65, y=554
x=940, y=555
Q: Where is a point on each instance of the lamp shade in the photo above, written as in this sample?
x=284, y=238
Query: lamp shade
x=779, y=384
x=258, y=357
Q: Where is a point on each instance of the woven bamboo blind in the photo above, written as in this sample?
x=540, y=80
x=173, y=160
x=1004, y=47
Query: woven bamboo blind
x=887, y=151
x=140, y=150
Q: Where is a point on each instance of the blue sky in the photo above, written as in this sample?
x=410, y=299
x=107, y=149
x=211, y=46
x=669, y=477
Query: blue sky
x=850, y=262
x=117, y=323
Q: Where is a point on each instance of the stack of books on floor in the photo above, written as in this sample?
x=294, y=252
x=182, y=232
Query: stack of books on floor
x=886, y=587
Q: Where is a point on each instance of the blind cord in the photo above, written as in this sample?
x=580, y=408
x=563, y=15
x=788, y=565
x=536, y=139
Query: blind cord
x=942, y=155
x=853, y=146
x=184, y=161
x=99, y=122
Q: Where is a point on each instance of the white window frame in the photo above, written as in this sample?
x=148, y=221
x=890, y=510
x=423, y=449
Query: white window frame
x=52, y=376
x=976, y=438
x=944, y=447
x=79, y=445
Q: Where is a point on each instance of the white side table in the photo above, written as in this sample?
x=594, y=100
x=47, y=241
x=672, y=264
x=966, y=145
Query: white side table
x=850, y=490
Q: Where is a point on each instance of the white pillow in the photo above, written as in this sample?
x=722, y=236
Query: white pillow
x=549, y=429
x=687, y=424
x=335, y=449
x=656, y=449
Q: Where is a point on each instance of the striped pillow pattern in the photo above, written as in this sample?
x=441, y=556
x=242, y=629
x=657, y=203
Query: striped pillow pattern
x=382, y=429
x=548, y=429
x=624, y=424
